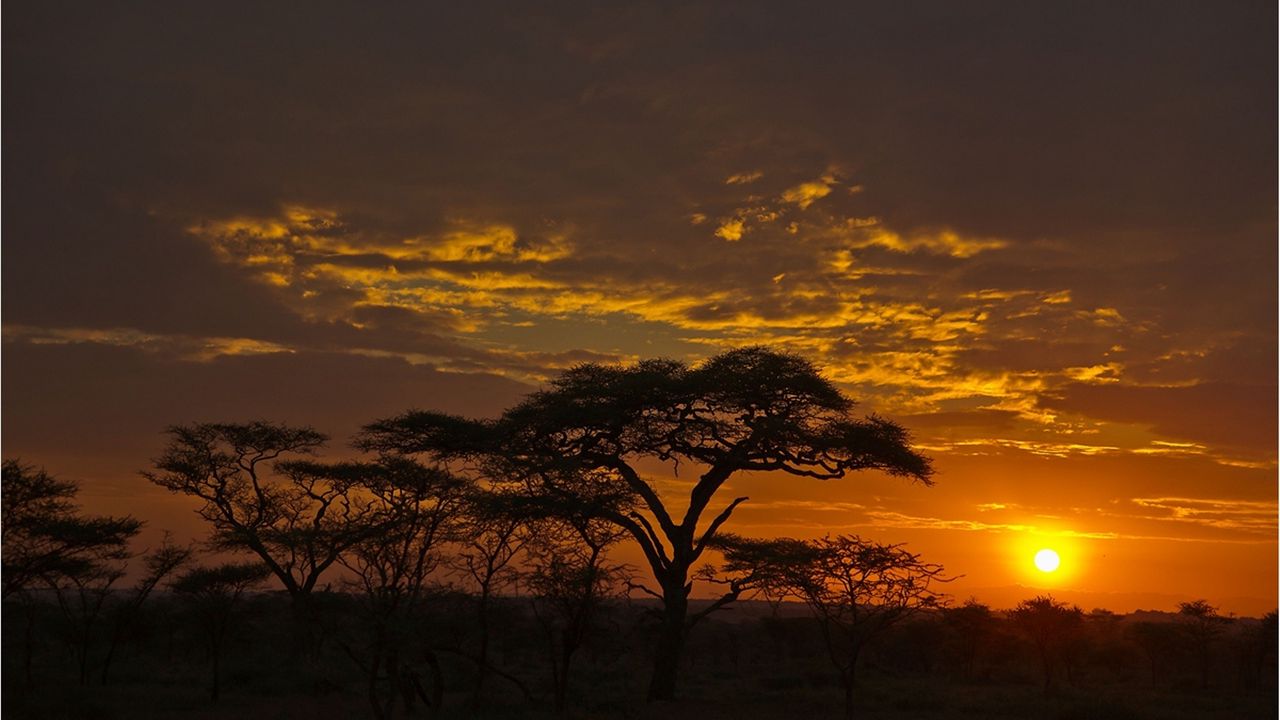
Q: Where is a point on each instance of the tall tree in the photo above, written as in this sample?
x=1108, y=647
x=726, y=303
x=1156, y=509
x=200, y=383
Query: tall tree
x=750, y=409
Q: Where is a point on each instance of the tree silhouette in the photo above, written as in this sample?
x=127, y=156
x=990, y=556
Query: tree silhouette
x=215, y=594
x=1159, y=643
x=1258, y=650
x=856, y=588
x=160, y=564
x=45, y=540
x=569, y=579
x=751, y=409
x=295, y=516
x=418, y=510
x=1050, y=625
x=493, y=527
x=1203, y=625
x=970, y=627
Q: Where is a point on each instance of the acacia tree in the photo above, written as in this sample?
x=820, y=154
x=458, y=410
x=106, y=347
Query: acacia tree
x=45, y=538
x=1159, y=643
x=419, y=508
x=160, y=564
x=750, y=409
x=48, y=542
x=296, y=517
x=493, y=529
x=569, y=577
x=857, y=589
x=970, y=628
x=1051, y=625
x=1202, y=625
x=215, y=594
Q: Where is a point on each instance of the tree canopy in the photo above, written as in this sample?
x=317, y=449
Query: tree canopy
x=44, y=536
x=751, y=409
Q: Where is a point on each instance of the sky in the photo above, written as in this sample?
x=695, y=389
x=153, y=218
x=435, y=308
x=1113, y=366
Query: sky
x=1042, y=236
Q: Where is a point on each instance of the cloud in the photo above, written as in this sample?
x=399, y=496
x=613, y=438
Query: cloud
x=731, y=230
x=1217, y=414
x=200, y=349
x=744, y=178
x=806, y=194
x=1252, y=516
x=942, y=242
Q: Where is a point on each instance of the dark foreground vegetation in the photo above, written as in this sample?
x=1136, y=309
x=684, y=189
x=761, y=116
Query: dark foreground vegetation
x=964, y=662
x=464, y=568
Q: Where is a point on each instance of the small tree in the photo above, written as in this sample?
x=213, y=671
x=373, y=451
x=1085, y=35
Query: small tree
x=47, y=542
x=296, y=517
x=419, y=511
x=1202, y=625
x=856, y=588
x=215, y=594
x=1050, y=625
x=1258, y=650
x=493, y=528
x=1159, y=643
x=970, y=628
x=160, y=564
x=569, y=579
x=45, y=539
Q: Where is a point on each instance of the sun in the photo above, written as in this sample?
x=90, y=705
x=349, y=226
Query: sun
x=1047, y=560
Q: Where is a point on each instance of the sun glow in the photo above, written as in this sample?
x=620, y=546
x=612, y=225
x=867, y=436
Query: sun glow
x=1047, y=560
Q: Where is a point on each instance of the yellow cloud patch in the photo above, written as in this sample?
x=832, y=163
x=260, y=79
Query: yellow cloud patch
x=731, y=230
x=806, y=194
x=944, y=242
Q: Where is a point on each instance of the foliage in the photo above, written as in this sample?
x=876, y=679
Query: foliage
x=857, y=589
x=298, y=520
x=45, y=539
x=215, y=592
x=743, y=410
x=1050, y=625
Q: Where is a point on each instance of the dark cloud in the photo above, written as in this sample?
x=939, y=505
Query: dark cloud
x=116, y=412
x=1218, y=413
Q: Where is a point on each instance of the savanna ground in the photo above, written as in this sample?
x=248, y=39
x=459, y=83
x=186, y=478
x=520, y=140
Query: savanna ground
x=739, y=667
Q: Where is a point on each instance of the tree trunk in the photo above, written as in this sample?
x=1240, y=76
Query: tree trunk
x=847, y=679
x=108, y=658
x=482, y=664
x=562, y=677
x=1046, y=663
x=393, y=680
x=375, y=665
x=28, y=645
x=437, y=682
x=214, y=688
x=671, y=637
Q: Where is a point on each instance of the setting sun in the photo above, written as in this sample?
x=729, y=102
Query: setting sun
x=1047, y=560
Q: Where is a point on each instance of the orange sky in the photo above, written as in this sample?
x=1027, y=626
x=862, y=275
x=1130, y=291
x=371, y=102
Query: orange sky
x=1043, y=240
